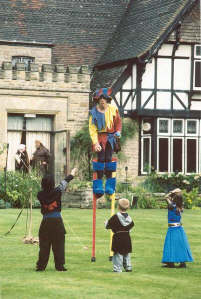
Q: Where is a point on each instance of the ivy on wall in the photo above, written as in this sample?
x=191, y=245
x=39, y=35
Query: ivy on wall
x=81, y=147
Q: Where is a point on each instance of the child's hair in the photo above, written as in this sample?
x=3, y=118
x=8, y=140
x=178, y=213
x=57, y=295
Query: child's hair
x=47, y=182
x=123, y=204
x=178, y=200
x=122, y=209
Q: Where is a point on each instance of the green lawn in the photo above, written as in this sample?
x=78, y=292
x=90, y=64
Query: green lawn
x=88, y=280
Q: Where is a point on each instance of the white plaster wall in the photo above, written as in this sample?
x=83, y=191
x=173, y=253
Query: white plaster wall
x=127, y=84
x=148, y=76
x=183, y=50
x=165, y=50
x=163, y=100
x=196, y=105
x=144, y=96
x=134, y=75
x=183, y=97
x=164, y=74
x=182, y=74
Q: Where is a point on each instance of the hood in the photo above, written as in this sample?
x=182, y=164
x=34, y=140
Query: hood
x=124, y=220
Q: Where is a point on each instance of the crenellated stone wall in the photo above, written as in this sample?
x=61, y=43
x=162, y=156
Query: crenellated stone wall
x=62, y=92
x=57, y=73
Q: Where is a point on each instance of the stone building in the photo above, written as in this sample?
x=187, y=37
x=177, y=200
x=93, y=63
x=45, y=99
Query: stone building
x=54, y=53
x=47, y=53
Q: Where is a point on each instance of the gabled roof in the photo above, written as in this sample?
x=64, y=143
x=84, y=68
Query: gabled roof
x=143, y=25
x=78, y=29
x=106, y=77
x=190, y=27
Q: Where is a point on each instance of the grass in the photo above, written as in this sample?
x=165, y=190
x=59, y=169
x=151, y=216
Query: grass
x=88, y=280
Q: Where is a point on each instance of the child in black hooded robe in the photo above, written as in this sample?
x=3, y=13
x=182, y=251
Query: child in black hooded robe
x=121, y=224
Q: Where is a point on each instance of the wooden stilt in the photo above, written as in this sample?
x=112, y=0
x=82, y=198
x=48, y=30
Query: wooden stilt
x=93, y=255
x=112, y=198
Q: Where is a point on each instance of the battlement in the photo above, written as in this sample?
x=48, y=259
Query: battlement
x=45, y=73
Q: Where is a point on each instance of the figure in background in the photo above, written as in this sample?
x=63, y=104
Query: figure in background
x=176, y=246
x=22, y=159
x=105, y=130
x=41, y=158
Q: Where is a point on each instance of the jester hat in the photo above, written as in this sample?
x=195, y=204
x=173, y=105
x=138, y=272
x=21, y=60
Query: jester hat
x=103, y=92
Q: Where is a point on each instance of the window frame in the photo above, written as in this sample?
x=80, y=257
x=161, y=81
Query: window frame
x=195, y=87
x=142, y=153
x=183, y=127
x=186, y=127
x=197, y=56
x=32, y=60
x=184, y=136
x=197, y=156
x=169, y=149
x=169, y=126
x=183, y=153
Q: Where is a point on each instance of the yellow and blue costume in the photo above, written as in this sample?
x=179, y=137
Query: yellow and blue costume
x=103, y=127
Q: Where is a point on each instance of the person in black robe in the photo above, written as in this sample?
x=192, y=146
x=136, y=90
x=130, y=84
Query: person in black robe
x=41, y=159
x=121, y=224
x=52, y=231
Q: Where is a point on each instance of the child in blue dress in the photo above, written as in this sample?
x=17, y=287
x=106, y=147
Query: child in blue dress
x=176, y=247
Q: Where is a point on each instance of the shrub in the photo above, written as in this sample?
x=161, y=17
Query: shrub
x=145, y=200
x=77, y=185
x=81, y=147
x=2, y=204
x=166, y=182
x=191, y=199
x=123, y=187
x=19, y=187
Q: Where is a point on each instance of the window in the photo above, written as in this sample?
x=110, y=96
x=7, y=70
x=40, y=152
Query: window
x=191, y=127
x=178, y=127
x=197, y=67
x=25, y=59
x=178, y=148
x=26, y=130
x=197, y=74
x=197, y=51
x=147, y=126
x=146, y=155
x=163, y=126
x=191, y=155
x=177, y=155
x=163, y=154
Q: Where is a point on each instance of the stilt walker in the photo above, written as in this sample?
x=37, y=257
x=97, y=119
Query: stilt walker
x=105, y=131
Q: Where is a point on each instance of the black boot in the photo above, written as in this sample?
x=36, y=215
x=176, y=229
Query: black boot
x=182, y=265
x=39, y=269
x=61, y=269
x=169, y=265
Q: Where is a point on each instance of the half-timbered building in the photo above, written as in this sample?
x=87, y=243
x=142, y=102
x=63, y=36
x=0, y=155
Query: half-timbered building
x=153, y=62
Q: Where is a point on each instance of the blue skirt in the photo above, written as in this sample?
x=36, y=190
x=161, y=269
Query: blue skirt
x=176, y=247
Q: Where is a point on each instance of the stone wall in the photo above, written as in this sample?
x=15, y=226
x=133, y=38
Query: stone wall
x=82, y=199
x=41, y=54
x=49, y=89
x=130, y=159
